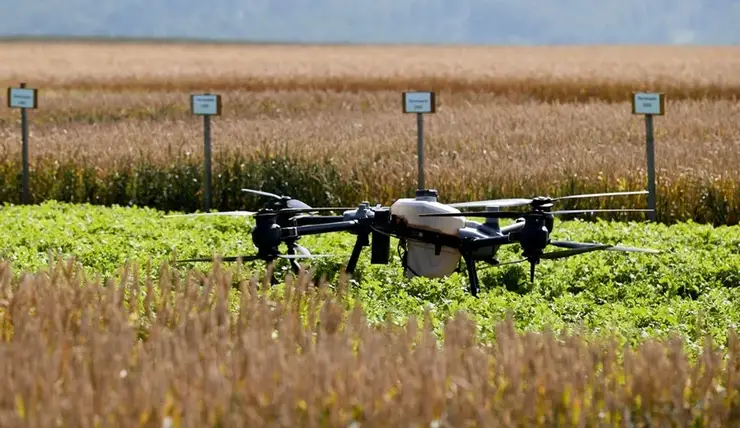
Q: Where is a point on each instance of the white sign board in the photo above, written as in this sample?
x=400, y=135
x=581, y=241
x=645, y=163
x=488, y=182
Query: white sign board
x=419, y=102
x=206, y=104
x=22, y=98
x=648, y=103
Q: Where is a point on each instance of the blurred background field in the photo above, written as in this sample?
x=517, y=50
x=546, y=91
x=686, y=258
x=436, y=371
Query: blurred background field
x=324, y=123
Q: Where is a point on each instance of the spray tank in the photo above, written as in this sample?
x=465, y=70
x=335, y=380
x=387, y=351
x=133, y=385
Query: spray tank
x=421, y=257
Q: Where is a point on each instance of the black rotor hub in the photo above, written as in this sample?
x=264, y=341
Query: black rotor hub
x=534, y=236
x=543, y=205
x=266, y=233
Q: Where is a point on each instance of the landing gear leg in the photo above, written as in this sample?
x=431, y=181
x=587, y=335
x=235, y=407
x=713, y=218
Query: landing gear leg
x=472, y=274
x=293, y=262
x=363, y=240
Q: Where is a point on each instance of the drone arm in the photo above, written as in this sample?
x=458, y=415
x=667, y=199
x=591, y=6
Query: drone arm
x=315, y=229
x=314, y=220
x=512, y=227
x=337, y=226
x=476, y=244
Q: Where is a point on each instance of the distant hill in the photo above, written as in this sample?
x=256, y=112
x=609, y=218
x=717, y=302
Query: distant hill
x=385, y=21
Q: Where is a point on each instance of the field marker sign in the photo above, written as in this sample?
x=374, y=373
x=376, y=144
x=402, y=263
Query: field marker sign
x=24, y=98
x=420, y=103
x=206, y=105
x=649, y=104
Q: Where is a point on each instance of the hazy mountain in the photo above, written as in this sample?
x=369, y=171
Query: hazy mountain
x=384, y=21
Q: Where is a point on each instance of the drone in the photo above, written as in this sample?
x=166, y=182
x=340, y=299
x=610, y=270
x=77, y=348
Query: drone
x=435, y=237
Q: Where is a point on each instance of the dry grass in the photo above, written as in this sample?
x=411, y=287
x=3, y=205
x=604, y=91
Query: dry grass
x=75, y=353
x=557, y=73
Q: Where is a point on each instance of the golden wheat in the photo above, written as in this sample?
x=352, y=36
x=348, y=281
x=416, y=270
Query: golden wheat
x=552, y=73
x=76, y=353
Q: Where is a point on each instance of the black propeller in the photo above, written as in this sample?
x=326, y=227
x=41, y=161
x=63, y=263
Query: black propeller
x=578, y=245
x=264, y=210
x=535, y=259
x=289, y=205
x=521, y=214
x=281, y=201
x=537, y=201
x=574, y=248
x=254, y=257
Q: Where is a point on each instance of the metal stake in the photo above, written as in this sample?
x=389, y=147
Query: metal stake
x=25, y=195
x=420, y=147
x=207, y=156
x=650, y=148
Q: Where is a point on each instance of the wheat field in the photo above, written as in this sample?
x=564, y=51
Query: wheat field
x=546, y=72
x=511, y=121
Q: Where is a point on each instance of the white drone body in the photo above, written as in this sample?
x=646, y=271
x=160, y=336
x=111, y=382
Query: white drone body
x=421, y=257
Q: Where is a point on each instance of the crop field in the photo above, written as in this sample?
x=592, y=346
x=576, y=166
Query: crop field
x=324, y=124
x=100, y=328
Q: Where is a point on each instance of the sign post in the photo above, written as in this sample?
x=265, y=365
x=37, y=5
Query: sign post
x=206, y=105
x=649, y=104
x=420, y=103
x=23, y=98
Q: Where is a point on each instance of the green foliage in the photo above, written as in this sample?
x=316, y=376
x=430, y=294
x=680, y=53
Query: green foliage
x=691, y=289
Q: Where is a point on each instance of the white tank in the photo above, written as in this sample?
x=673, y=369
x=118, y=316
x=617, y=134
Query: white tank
x=421, y=257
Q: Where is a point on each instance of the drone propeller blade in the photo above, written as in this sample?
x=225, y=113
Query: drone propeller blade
x=260, y=192
x=609, y=210
x=599, y=195
x=499, y=203
x=296, y=204
x=633, y=249
x=306, y=256
x=255, y=257
x=222, y=213
x=516, y=202
x=298, y=210
x=513, y=262
x=301, y=250
x=312, y=209
x=223, y=259
x=289, y=201
x=559, y=255
x=570, y=244
x=515, y=214
x=487, y=214
x=572, y=252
